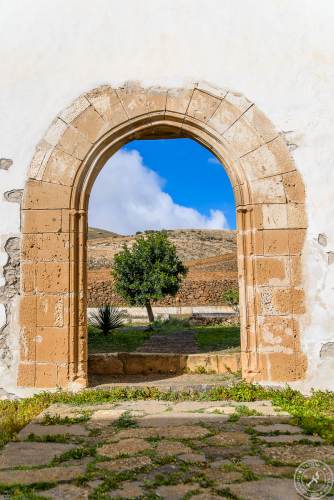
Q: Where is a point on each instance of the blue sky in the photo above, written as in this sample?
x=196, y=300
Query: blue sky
x=157, y=184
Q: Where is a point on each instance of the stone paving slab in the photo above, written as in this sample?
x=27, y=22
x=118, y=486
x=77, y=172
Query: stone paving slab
x=129, y=489
x=299, y=453
x=176, y=492
x=60, y=410
x=170, y=419
x=266, y=489
x=52, y=430
x=126, y=464
x=291, y=438
x=281, y=428
x=124, y=447
x=30, y=453
x=171, y=448
x=171, y=432
x=66, y=492
x=229, y=439
x=47, y=475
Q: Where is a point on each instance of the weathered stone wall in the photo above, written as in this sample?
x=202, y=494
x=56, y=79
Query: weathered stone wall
x=142, y=363
x=191, y=293
x=289, y=77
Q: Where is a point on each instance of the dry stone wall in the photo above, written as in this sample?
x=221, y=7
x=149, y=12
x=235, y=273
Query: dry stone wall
x=191, y=293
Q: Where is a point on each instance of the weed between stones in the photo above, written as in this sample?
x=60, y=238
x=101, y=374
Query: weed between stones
x=57, y=419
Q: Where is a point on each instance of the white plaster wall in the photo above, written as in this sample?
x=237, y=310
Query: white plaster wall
x=279, y=53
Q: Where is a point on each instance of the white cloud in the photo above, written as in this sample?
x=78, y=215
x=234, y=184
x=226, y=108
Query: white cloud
x=128, y=197
x=214, y=160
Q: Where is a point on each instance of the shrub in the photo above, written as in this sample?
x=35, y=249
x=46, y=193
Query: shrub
x=107, y=318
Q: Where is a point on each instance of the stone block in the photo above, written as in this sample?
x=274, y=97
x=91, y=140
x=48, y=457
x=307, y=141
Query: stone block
x=64, y=375
x=242, y=137
x=270, y=159
x=55, y=131
x=46, y=247
x=26, y=375
x=228, y=112
x=272, y=271
x=260, y=123
x=28, y=309
x=52, y=344
x=283, y=367
x=275, y=216
x=41, y=221
x=74, y=109
x=276, y=242
x=296, y=270
x=90, y=124
x=228, y=363
x=105, y=364
x=133, y=99
x=44, y=195
x=28, y=277
x=294, y=187
x=61, y=168
x=208, y=362
x=51, y=310
x=74, y=143
x=296, y=240
x=178, y=100
x=143, y=363
x=40, y=159
x=46, y=375
x=156, y=99
x=202, y=105
x=104, y=99
x=277, y=333
x=52, y=277
x=27, y=343
x=296, y=216
x=268, y=190
x=287, y=300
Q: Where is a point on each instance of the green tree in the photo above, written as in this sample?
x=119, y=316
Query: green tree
x=148, y=271
x=231, y=297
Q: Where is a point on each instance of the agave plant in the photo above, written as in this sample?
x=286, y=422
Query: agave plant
x=107, y=318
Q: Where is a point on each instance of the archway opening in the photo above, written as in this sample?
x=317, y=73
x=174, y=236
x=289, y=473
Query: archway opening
x=271, y=221
x=179, y=188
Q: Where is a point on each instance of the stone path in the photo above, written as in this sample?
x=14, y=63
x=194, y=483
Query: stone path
x=157, y=449
x=164, y=382
x=182, y=342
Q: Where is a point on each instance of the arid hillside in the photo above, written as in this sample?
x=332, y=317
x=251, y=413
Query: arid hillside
x=210, y=256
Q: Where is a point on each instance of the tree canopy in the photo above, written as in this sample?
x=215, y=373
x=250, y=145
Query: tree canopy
x=148, y=271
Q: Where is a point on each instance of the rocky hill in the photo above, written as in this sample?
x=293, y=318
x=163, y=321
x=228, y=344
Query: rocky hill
x=210, y=256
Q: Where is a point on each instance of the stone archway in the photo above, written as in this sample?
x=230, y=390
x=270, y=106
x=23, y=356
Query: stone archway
x=271, y=222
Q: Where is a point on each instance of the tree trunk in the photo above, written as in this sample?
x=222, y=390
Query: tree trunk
x=149, y=311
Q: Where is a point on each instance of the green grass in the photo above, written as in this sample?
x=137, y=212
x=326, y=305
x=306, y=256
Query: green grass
x=217, y=338
x=208, y=338
x=120, y=340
